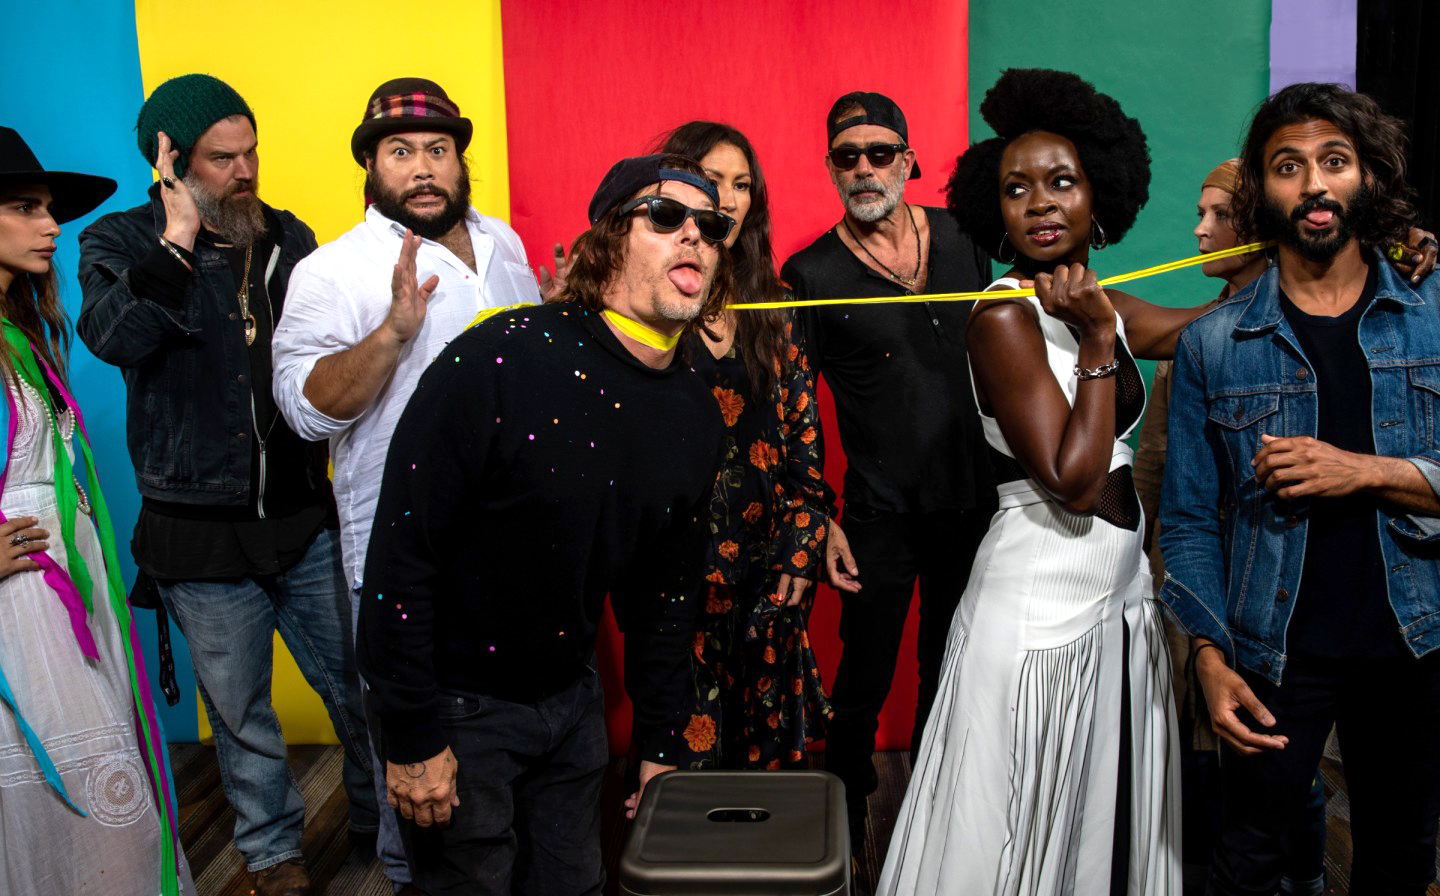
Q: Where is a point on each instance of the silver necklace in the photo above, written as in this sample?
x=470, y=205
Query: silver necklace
x=907, y=282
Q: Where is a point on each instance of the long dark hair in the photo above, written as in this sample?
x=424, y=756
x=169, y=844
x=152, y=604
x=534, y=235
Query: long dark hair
x=1380, y=142
x=32, y=303
x=598, y=254
x=759, y=335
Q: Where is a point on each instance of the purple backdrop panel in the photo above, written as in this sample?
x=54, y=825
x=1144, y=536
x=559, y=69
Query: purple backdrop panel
x=1312, y=40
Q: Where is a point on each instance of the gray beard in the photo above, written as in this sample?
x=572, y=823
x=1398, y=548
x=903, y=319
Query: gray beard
x=870, y=212
x=238, y=221
x=676, y=311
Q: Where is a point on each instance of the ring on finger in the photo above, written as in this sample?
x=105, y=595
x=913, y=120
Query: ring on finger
x=19, y=539
x=168, y=181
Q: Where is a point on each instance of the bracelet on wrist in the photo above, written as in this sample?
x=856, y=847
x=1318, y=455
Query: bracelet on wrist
x=175, y=251
x=1196, y=651
x=1097, y=373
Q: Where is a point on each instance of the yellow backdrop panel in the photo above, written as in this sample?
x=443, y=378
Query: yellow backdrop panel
x=307, y=69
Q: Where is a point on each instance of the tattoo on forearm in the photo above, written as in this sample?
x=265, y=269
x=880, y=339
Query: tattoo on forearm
x=415, y=769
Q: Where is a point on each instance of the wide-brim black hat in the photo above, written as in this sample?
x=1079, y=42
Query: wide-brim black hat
x=409, y=104
x=72, y=195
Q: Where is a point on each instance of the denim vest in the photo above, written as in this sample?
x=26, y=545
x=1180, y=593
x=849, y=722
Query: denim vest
x=1233, y=550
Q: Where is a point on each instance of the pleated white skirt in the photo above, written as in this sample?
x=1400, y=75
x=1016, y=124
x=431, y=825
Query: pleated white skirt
x=1014, y=790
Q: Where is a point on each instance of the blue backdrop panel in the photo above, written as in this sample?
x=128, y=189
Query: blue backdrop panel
x=73, y=89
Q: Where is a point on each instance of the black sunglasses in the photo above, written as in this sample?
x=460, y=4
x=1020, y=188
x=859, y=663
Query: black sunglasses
x=668, y=215
x=881, y=155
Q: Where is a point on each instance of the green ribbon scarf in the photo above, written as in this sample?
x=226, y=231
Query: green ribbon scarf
x=28, y=368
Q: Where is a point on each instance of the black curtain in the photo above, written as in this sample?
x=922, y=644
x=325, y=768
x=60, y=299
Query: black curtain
x=1397, y=61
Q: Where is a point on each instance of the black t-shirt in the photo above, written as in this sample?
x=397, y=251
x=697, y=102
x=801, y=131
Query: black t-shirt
x=538, y=466
x=1343, y=607
x=906, y=413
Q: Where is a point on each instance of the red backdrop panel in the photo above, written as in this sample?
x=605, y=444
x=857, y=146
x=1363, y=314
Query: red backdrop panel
x=587, y=84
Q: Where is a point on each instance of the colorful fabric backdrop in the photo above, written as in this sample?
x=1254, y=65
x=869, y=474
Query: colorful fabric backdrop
x=558, y=91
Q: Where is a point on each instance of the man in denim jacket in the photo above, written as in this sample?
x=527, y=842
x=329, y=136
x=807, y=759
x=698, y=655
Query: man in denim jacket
x=237, y=521
x=1300, y=523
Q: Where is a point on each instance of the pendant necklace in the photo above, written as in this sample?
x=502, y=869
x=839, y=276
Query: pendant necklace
x=244, y=296
x=907, y=282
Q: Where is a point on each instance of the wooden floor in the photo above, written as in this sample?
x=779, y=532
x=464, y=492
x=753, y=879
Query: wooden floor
x=206, y=824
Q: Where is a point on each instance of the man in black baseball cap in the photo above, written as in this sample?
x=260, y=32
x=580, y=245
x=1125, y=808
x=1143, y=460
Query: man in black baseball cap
x=915, y=508
x=549, y=456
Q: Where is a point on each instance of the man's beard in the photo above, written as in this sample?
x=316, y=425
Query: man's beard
x=869, y=212
x=433, y=226
x=1351, y=218
x=237, y=219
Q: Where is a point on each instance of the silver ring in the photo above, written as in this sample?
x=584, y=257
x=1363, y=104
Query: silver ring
x=168, y=181
x=19, y=539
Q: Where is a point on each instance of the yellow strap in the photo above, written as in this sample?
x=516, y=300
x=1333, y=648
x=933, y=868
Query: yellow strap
x=641, y=333
x=1007, y=293
x=487, y=313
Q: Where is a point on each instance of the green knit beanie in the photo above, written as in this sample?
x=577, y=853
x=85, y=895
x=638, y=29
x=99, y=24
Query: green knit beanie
x=184, y=108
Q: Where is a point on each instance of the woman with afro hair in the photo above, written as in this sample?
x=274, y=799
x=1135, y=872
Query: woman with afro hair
x=1049, y=763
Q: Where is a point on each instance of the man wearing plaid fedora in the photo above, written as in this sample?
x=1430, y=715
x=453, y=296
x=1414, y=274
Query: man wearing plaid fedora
x=356, y=334
x=236, y=523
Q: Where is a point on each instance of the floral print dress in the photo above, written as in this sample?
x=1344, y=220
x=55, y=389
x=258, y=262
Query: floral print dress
x=758, y=699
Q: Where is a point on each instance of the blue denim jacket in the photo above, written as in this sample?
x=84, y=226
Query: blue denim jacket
x=1233, y=550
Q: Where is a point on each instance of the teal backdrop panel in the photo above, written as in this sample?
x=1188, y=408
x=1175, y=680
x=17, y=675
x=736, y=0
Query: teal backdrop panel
x=73, y=94
x=1192, y=73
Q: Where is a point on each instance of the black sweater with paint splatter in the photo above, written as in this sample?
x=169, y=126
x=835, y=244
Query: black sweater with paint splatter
x=538, y=467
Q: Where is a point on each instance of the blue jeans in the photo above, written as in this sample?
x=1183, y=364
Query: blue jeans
x=230, y=627
x=388, y=846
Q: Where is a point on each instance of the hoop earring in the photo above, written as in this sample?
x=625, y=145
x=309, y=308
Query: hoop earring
x=1000, y=253
x=1098, y=240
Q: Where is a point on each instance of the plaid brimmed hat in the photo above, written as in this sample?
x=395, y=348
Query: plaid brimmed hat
x=877, y=109
x=409, y=104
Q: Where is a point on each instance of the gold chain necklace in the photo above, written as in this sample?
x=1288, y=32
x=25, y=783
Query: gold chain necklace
x=907, y=282
x=244, y=296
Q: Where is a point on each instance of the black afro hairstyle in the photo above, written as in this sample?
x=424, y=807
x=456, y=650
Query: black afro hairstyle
x=1111, y=145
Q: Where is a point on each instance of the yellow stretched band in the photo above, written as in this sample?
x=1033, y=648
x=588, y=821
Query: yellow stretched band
x=1007, y=293
x=641, y=333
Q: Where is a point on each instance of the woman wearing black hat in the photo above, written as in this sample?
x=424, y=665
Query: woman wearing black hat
x=86, y=799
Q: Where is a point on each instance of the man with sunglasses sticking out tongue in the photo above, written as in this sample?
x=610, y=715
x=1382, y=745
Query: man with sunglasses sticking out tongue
x=918, y=489
x=549, y=456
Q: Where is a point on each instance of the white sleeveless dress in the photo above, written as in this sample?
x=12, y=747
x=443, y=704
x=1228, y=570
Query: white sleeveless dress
x=83, y=710
x=1015, y=787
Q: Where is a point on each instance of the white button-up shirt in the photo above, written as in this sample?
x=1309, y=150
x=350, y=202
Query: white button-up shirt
x=339, y=295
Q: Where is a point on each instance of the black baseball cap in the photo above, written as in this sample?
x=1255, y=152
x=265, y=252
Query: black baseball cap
x=629, y=176
x=878, y=109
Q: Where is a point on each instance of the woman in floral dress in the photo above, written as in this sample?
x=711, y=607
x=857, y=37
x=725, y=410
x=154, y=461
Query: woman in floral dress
x=758, y=695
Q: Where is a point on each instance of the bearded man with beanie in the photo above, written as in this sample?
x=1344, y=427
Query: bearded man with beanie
x=354, y=339
x=237, y=522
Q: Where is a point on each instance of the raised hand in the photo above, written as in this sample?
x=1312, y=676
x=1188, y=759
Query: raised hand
x=408, y=297
x=1073, y=295
x=182, y=217
x=551, y=287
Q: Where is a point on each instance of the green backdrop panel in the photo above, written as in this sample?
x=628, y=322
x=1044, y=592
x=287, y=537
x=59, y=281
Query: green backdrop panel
x=1192, y=73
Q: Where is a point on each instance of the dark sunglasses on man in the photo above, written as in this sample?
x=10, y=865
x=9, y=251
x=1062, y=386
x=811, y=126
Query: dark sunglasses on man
x=667, y=215
x=881, y=155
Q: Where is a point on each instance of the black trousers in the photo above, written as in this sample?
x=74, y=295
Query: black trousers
x=529, y=781
x=892, y=551
x=1387, y=715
